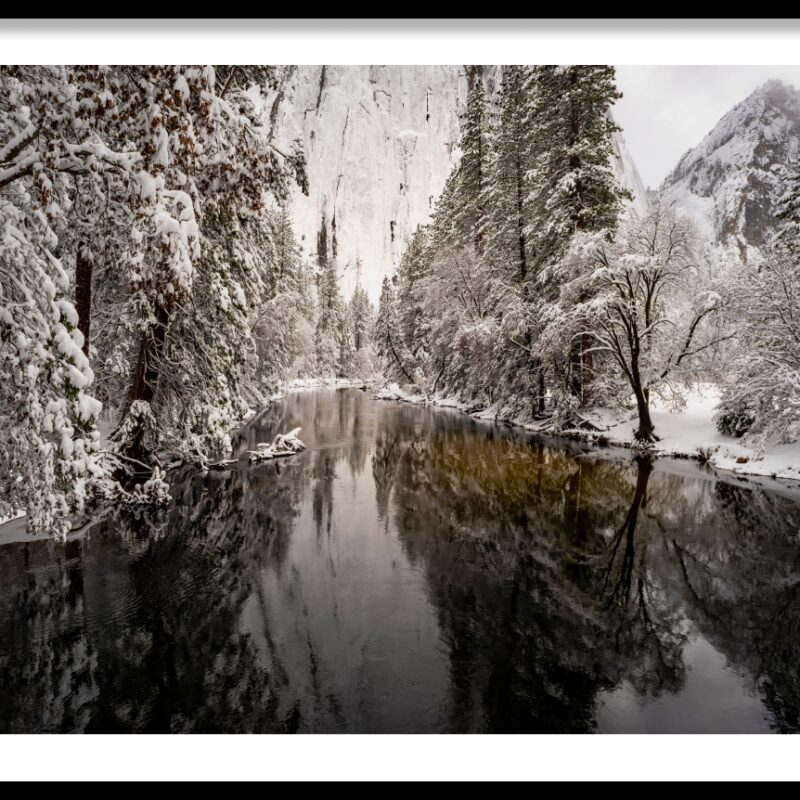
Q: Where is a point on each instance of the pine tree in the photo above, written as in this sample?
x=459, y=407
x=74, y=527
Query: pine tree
x=286, y=318
x=573, y=188
x=48, y=436
x=330, y=308
x=470, y=214
x=361, y=313
x=414, y=266
x=507, y=192
x=150, y=182
x=509, y=250
x=347, y=348
x=388, y=340
x=573, y=184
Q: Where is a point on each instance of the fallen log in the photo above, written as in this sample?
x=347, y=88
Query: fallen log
x=284, y=444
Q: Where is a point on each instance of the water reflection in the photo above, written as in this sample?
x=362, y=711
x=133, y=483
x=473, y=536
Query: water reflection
x=413, y=571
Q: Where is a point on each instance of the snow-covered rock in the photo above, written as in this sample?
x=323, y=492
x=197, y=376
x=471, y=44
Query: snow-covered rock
x=730, y=182
x=284, y=444
x=379, y=142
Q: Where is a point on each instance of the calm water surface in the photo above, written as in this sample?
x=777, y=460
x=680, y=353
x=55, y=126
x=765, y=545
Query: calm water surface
x=413, y=571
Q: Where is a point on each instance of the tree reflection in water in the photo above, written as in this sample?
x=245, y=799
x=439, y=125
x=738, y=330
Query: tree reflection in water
x=413, y=570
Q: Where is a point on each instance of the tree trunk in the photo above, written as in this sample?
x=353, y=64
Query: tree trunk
x=523, y=264
x=576, y=368
x=541, y=387
x=537, y=368
x=83, y=295
x=587, y=368
x=146, y=374
x=646, y=429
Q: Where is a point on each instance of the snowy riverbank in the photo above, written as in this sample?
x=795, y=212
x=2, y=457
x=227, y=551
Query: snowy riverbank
x=311, y=384
x=689, y=433
x=13, y=528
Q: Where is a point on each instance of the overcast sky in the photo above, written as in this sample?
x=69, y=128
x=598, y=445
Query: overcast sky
x=667, y=110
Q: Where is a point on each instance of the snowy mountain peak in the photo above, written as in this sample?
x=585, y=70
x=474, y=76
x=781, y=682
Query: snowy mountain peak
x=730, y=182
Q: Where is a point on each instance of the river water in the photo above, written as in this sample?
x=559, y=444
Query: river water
x=414, y=571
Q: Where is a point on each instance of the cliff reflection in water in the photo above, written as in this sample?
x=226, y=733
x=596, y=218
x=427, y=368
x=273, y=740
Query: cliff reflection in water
x=413, y=571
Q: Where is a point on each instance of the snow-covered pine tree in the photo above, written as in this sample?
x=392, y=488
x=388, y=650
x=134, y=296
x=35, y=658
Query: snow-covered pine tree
x=282, y=320
x=363, y=315
x=361, y=312
x=573, y=188
x=363, y=318
x=509, y=255
x=470, y=214
x=347, y=348
x=442, y=287
x=330, y=308
x=507, y=188
x=414, y=266
x=388, y=338
x=48, y=438
x=138, y=172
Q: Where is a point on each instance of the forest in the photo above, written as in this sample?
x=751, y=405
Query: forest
x=153, y=294
x=150, y=281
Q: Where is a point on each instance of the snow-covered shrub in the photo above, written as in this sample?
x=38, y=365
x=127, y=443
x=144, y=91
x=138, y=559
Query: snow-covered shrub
x=705, y=454
x=566, y=409
x=153, y=492
x=735, y=416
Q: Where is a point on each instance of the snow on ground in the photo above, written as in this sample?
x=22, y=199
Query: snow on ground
x=12, y=529
x=309, y=384
x=689, y=433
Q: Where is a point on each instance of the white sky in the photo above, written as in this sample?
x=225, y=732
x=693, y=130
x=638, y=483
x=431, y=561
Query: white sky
x=665, y=111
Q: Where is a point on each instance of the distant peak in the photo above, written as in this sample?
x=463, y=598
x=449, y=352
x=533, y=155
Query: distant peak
x=775, y=91
x=772, y=84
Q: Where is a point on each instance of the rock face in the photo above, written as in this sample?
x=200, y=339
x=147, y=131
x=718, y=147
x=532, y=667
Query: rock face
x=627, y=174
x=380, y=142
x=730, y=182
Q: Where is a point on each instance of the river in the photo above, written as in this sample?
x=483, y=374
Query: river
x=414, y=570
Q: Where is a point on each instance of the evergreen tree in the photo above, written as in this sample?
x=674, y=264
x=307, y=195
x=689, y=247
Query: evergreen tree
x=150, y=183
x=414, y=266
x=509, y=251
x=283, y=317
x=361, y=313
x=507, y=193
x=347, y=348
x=330, y=308
x=470, y=214
x=388, y=340
x=573, y=188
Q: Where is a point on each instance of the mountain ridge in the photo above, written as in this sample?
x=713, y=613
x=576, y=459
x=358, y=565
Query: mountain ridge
x=730, y=182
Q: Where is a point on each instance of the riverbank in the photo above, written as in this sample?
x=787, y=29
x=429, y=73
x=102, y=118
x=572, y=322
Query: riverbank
x=688, y=434
x=13, y=527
